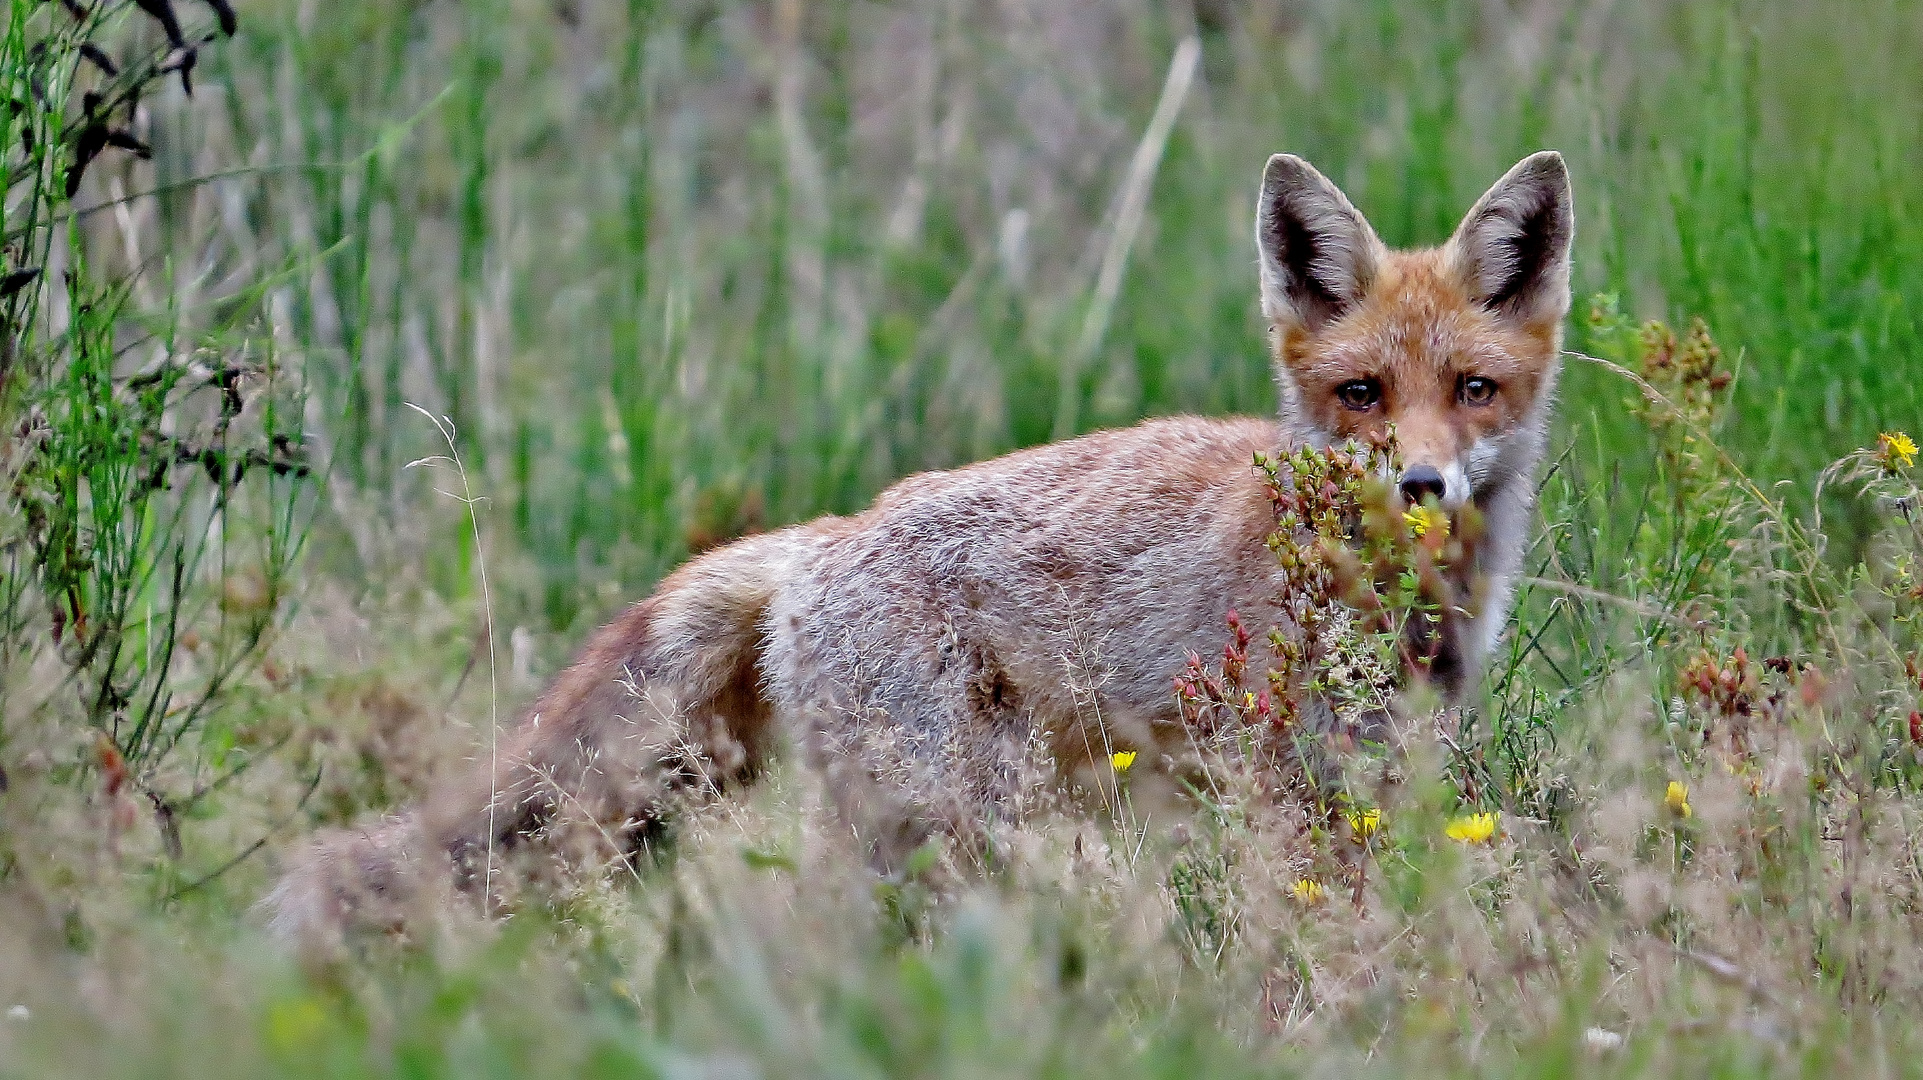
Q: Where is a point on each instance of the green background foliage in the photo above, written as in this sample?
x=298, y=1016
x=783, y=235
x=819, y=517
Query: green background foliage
x=676, y=268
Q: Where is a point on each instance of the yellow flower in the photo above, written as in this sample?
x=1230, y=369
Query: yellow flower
x=1308, y=892
x=1472, y=828
x=1366, y=823
x=1122, y=761
x=1896, y=449
x=1676, y=797
x=1421, y=519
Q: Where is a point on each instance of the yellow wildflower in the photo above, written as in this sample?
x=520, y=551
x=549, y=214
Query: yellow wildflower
x=1422, y=519
x=1308, y=892
x=1472, y=828
x=1122, y=761
x=1366, y=823
x=1896, y=449
x=1676, y=797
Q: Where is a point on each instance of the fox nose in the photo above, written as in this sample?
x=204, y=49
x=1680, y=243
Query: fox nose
x=1419, y=481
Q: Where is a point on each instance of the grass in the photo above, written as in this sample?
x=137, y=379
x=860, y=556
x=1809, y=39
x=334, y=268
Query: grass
x=676, y=271
x=603, y=240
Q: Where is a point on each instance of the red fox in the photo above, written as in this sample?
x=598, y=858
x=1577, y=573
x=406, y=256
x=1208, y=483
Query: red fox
x=918, y=654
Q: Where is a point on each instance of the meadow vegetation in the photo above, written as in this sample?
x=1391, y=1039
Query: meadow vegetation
x=674, y=272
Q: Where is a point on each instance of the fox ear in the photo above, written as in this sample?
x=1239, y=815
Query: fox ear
x=1318, y=254
x=1512, y=249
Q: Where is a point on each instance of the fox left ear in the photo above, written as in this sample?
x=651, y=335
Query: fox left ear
x=1319, y=255
x=1512, y=249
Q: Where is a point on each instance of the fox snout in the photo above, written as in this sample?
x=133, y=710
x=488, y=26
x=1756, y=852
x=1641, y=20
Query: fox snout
x=1420, y=482
x=1442, y=479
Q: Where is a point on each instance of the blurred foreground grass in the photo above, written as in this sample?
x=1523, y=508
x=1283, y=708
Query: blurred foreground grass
x=677, y=271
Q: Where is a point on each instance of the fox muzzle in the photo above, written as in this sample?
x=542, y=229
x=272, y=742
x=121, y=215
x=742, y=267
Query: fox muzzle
x=1422, y=481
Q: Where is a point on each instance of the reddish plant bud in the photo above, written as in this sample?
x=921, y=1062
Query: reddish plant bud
x=1812, y=686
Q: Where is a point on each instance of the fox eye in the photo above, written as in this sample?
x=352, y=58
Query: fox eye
x=1359, y=394
x=1478, y=390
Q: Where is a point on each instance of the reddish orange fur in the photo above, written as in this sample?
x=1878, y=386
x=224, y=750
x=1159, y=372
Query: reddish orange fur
x=1417, y=332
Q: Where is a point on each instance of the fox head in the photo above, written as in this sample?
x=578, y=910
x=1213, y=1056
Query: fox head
x=1457, y=346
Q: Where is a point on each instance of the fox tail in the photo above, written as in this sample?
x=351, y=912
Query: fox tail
x=663, y=706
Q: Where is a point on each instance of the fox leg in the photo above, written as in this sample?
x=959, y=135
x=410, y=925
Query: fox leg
x=916, y=733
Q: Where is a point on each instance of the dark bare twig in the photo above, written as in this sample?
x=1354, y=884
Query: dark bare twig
x=15, y=280
x=98, y=57
x=225, y=13
x=163, y=12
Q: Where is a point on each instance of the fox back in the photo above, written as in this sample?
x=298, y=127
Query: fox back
x=926, y=654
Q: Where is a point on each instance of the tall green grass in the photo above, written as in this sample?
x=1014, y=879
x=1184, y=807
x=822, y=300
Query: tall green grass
x=675, y=270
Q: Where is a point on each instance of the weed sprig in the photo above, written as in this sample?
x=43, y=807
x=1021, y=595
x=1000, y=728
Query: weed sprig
x=153, y=468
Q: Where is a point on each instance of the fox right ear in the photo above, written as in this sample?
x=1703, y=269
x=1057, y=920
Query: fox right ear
x=1512, y=249
x=1318, y=254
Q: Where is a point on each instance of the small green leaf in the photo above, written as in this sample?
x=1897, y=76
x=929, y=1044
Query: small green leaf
x=768, y=860
x=923, y=859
